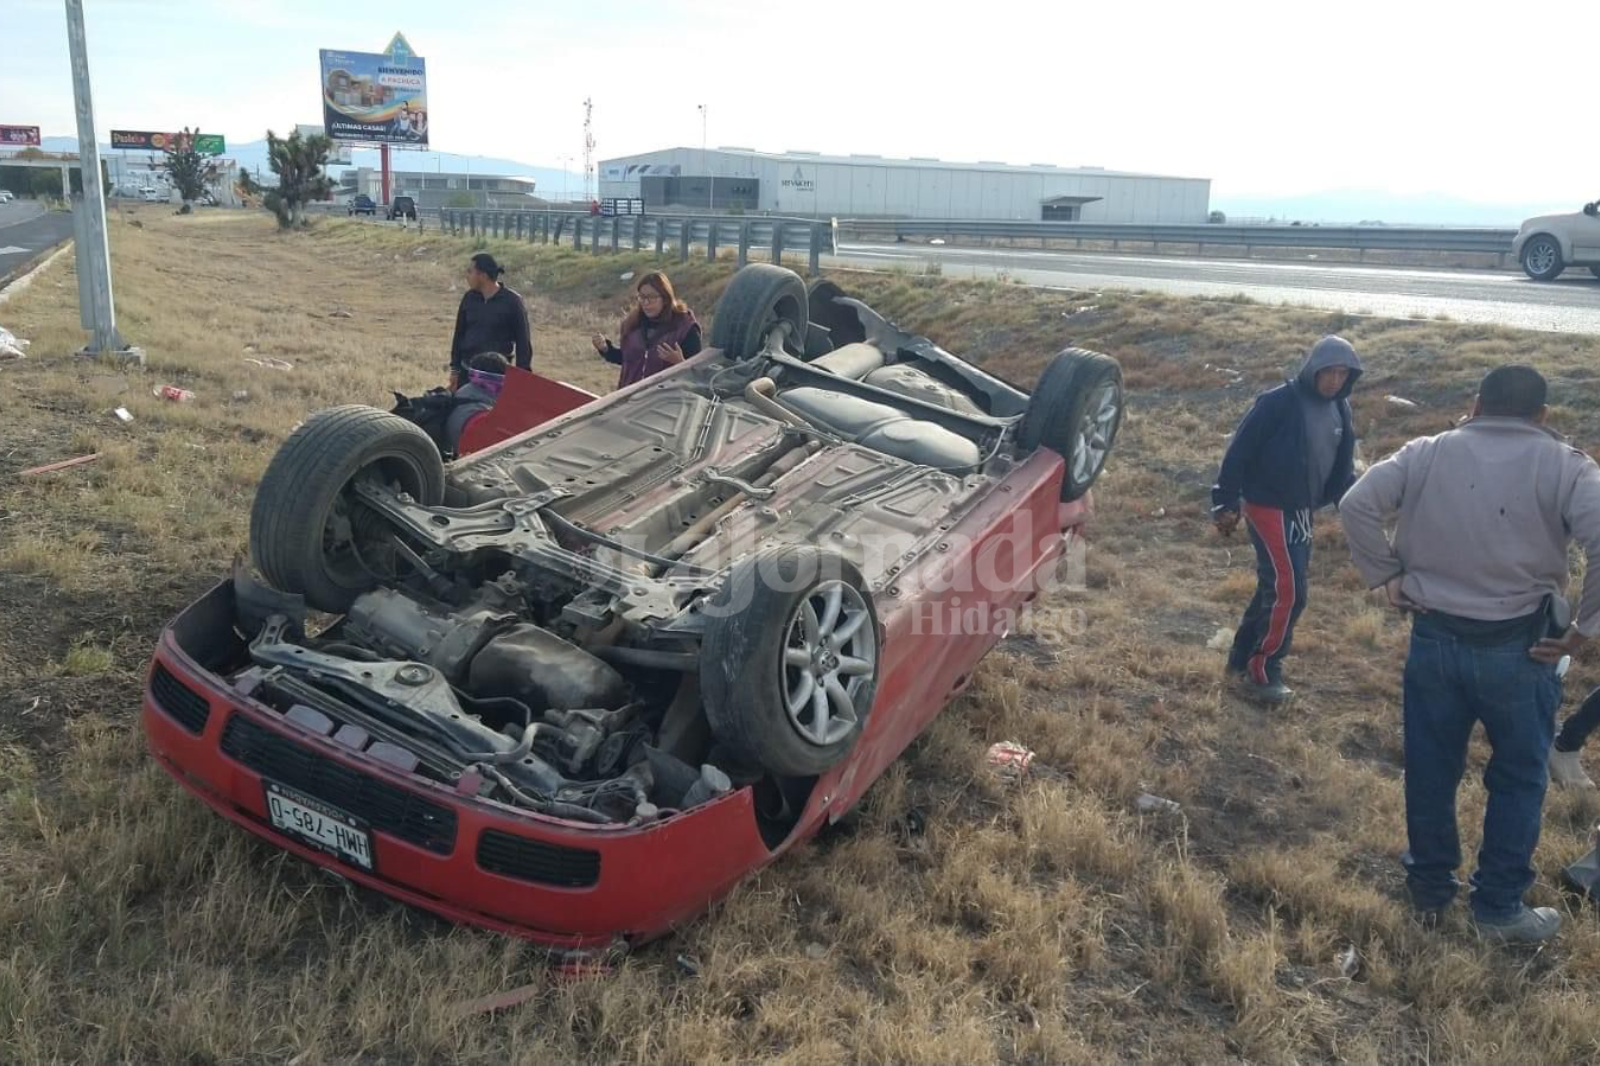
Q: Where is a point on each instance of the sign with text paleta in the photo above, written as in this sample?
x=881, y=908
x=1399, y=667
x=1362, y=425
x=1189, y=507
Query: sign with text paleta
x=146, y=140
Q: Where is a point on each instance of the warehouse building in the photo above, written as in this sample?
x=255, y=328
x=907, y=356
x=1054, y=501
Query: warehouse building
x=435, y=189
x=865, y=186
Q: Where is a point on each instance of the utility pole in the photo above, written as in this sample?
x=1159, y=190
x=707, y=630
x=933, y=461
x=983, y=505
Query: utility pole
x=96, y=309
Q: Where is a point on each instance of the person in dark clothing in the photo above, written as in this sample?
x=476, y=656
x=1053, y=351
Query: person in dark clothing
x=1566, y=770
x=1293, y=454
x=492, y=318
x=486, y=374
x=660, y=332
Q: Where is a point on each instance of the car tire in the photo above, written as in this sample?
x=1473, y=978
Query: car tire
x=1075, y=411
x=1541, y=258
x=756, y=631
x=301, y=503
x=759, y=297
x=1595, y=270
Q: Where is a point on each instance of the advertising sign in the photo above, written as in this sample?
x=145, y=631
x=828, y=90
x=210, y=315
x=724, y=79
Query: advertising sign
x=376, y=97
x=339, y=153
x=20, y=136
x=146, y=140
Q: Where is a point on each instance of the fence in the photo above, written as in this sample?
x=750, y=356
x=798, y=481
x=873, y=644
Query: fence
x=636, y=233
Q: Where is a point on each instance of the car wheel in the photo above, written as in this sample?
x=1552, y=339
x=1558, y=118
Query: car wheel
x=760, y=297
x=1541, y=258
x=789, y=664
x=1075, y=411
x=1595, y=270
x=309, y=534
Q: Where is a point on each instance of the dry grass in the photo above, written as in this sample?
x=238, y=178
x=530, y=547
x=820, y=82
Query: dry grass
x=957, y=918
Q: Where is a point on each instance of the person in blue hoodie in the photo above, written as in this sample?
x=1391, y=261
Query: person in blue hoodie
x=1292, y=454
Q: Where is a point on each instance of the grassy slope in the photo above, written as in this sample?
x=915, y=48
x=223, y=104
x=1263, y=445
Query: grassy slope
x=958, y=919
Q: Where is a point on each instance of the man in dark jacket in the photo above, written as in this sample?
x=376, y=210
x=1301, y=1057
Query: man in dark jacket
x=1293, y=454
x=492, y=318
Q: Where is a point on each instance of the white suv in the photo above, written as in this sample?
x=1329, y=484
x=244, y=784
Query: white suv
x=1547, y=245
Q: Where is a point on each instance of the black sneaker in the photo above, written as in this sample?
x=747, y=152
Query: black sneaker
x=1273, y=692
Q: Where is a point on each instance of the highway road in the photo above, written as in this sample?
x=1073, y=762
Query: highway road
x=26, y=229
x=1570, y=304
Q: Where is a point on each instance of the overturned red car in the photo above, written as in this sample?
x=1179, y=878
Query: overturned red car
x=578, y=682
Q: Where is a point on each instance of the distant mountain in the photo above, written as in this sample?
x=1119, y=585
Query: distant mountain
x=1349, y=207
x=252, y=155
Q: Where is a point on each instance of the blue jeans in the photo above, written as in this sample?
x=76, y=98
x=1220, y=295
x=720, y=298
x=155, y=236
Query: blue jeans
x=1449, y=686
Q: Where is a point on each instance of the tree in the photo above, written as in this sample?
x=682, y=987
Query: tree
x=298, y=162
x=249, y=188
x=190, y=171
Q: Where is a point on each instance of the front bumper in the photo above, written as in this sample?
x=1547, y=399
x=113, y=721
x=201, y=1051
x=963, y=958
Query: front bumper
x=560, y=884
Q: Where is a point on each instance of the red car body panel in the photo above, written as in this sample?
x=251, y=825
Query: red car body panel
x=653, y=878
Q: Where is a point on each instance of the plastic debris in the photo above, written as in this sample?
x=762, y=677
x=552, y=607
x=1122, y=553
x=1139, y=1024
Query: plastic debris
x=1401, y=401
x=625, y=276
x=1010, y=759
x=689, y=967
x=241, y=394
x=340, y=314
x=1221, y=640
x=12, y=346
x=271, y=363
x=1349, y=962
x=815, y=952
x=172, y=392
x=123, y=414
x=1152, y=804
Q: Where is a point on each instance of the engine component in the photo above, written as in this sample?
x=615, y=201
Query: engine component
x=394, y=622
x=544, y=671
x=883, y=428
x=584, y=731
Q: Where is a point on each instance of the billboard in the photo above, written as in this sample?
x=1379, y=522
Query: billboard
x=20, y=136
x=149, y=141
x=376, y=97
x=339, y=153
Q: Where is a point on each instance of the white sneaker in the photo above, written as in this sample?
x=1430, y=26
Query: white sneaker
x=1566, y=771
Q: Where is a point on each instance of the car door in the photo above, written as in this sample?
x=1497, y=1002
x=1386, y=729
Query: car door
x=1586, y=238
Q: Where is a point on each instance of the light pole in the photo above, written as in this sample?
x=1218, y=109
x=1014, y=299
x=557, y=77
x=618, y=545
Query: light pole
x=705, y=163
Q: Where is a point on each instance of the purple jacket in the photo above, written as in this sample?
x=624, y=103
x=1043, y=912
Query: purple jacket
x=638, y=357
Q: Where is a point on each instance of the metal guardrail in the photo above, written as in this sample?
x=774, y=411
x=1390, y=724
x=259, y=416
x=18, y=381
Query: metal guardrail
x=1358, y=238
x=813, y=236
x=637, y=232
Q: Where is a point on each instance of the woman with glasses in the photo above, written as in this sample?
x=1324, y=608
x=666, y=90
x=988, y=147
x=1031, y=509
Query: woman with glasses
x=659, y=332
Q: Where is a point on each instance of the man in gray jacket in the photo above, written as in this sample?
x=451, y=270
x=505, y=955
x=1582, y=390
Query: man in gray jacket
x=1479, y=558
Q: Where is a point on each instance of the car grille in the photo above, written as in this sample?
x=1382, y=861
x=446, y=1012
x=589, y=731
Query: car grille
x=536, y=861
x=178, y=701
x=386, y=808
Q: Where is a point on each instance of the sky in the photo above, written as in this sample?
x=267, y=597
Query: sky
x=1410, y=97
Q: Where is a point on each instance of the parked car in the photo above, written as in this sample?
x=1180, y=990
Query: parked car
x=5, y=196
x=403, y=207
x=362, y=204
x=1548, y=244
x=625, y=650
x=151, y=195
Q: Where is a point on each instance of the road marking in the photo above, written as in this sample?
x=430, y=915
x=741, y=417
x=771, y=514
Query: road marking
x=11, y=249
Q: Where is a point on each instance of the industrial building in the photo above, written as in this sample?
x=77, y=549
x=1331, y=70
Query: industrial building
x=865, y=186
x=435, y=189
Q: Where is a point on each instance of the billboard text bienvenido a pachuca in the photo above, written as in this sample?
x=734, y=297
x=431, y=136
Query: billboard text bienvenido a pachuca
x=374, y=97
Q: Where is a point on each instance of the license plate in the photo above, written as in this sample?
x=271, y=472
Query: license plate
x=316, y=823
